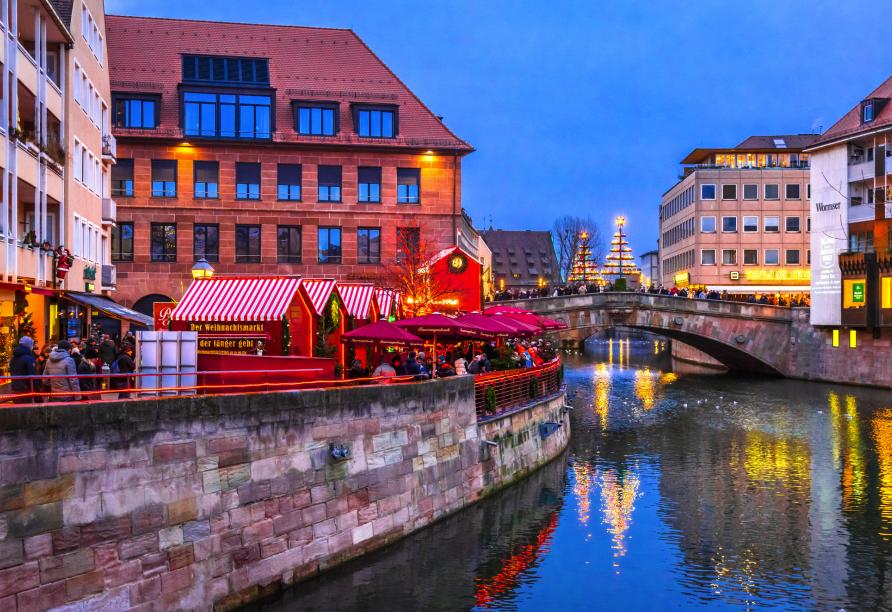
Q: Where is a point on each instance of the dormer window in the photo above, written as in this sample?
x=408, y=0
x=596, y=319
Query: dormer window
x=375, y=121
x=867, y=112
x=316, y=118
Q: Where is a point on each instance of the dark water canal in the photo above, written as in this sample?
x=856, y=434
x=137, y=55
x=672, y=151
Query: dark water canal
x=677, y=492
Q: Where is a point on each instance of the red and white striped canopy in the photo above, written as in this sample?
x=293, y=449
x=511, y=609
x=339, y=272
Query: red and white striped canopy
x=318, y=290
x=357, y=298
x=236, y=299
x=386, y=300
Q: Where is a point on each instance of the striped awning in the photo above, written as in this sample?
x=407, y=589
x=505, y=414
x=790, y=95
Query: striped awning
x=318, y=290
x=236, y=299
x=387, y=298
x=357, y=298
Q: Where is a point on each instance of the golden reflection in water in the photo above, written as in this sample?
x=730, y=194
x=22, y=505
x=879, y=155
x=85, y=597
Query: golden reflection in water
x=645, y=388
x=882, y=435
x=854, y=478
x=744, y=575
x=835, y=421
x=582, y=486
x=618, y=495
x=773, y=459
x=610, y=351
x=602, y=393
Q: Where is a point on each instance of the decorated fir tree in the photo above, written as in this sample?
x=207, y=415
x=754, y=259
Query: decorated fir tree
x=619, y=263
x=286, y=336
x=584, y=267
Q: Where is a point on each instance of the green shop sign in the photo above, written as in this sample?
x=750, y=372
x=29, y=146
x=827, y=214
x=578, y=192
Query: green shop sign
x=858, y=293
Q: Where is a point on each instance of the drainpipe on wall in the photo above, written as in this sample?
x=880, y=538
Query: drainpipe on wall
x=454, y=196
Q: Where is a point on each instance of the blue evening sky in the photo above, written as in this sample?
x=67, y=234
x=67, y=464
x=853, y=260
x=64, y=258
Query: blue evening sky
x=587, y=107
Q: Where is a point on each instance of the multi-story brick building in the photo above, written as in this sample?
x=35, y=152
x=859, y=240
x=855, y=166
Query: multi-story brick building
x=738, y=220
x=268, y=150
x=852, y=213
x=56, y=153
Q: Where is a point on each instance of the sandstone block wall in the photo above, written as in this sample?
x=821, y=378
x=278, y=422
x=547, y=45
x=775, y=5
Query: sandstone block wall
x=187, y=503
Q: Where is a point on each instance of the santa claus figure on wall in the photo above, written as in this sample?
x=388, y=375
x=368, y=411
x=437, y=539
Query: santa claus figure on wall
x=64, y=261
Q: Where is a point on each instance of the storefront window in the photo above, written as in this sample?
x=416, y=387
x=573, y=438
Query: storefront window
x=886, y=292
x=854, y=293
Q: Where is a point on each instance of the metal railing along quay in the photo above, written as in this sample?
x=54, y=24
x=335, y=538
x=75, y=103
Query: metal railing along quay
x=500, y=391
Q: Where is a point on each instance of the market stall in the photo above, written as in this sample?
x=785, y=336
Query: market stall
x=323, y=320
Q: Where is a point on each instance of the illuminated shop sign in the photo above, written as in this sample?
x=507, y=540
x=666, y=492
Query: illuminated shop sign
x=858, y=293
x=801, y=275
x=682, y=278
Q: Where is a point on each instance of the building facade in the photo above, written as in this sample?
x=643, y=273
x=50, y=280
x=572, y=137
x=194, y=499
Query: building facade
x=56, y=172
x=523, y=259
x=852, y=213
x=268, y=150
x=738, y=220
x=650, y=267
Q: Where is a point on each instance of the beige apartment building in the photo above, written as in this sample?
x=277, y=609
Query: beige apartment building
x=56, y=152
x=738, y=219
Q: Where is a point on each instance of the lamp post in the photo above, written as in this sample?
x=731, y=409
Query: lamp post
x=202, y=269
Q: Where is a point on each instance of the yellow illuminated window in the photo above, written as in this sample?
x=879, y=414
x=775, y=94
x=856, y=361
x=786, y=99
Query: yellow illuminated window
x=854, y=293
x=853, y=338
x=886, y=292
x=835, y=338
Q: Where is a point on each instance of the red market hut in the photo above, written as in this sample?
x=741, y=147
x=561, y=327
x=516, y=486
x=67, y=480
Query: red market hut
x=461, y=274
x=362, y=309
x=388, y=301
x=323, y=321
x=231, y=314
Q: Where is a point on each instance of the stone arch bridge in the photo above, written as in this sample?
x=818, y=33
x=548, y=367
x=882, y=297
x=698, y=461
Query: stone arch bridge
x=743, y=337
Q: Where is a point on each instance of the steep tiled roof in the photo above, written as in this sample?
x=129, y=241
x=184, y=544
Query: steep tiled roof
x=305, y=63
x=850, y=123
x=63, y=9
x=527, y=253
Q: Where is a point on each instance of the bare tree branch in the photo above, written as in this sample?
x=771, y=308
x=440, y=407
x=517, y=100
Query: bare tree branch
x=565, y=234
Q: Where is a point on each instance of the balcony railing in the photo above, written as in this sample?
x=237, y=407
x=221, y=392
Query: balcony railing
x=109, y=211
x=109, y=276
x=793, y=166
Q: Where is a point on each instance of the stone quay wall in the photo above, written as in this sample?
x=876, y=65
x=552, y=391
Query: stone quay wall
x=812, y=355
x=211, y=502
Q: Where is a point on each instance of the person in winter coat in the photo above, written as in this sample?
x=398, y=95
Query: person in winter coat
x=107, y=350
x=123, y=364
x=62, y=368
x=23, y=363
x=86, y=369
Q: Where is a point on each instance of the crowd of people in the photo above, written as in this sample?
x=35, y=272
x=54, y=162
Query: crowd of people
x=700, y=293
x=70, y=370
x=458, y=359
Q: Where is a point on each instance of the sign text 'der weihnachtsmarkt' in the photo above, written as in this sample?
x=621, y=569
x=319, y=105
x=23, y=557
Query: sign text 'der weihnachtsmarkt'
x=213, y=338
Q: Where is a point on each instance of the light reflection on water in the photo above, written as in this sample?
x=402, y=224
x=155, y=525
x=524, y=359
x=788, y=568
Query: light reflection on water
x=677, y=492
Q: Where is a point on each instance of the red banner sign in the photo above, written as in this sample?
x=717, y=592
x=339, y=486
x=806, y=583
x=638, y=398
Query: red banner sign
x=161, y=312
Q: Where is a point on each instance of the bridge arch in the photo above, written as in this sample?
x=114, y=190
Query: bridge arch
x=744, y=337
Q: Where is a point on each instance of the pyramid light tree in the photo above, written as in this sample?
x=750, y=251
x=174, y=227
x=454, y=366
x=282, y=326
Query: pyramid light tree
x=584, y=269
x=619, y=263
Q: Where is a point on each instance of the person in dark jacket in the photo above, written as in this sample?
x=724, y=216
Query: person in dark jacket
x=23, y=363
x=123, y=364
x=398, y=367
x=107, y=350
x=86, y=369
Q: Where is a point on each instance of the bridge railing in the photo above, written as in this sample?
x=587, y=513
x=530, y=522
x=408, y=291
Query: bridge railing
x=499, y=391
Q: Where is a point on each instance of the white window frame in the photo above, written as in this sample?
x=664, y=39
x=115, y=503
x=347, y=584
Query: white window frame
x=799, y=221
x=734, y=185
x=702, y=197
x=787, y=191
x=734, y=231
x=765, y=224
x=703, y=218
x=776, y=255
x=745, y=185
x=765, y=191
x=756, y=251
x=787, y=261
x=754, y=231
x=733, y=263
x=703, y=252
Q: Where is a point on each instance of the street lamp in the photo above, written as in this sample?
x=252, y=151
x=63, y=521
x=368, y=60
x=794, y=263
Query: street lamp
x=202, y=269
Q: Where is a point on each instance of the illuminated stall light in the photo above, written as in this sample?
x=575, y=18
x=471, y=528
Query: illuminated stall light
x=853, y=338
x=835, y=338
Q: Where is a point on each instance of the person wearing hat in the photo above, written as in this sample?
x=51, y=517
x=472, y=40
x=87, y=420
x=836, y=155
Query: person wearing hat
x=23, y=363
x=62, y=373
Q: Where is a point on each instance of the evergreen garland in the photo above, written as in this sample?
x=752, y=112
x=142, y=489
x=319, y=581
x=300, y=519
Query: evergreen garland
x=286, y=336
